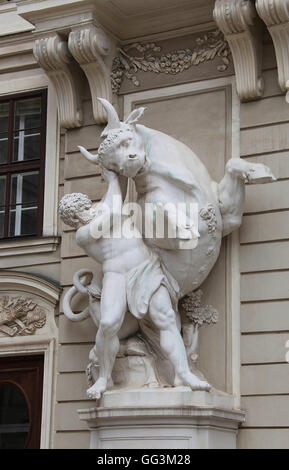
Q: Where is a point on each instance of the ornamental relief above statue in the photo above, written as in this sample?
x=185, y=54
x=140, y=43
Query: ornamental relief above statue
x=149, y=57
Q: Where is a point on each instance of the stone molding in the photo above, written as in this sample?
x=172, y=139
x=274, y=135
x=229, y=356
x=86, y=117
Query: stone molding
x=236, y=19
x=11, y=281
x=54, y=58
x=90, y=47
x=25, y=247
x=275, y=14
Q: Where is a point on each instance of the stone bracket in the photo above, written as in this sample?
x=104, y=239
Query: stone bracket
x=236, y=19
x=91, y=47
x=54, y=58
x=275, y=14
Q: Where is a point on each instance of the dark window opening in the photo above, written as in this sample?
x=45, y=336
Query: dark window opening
x=21, y=387
x=22, y=159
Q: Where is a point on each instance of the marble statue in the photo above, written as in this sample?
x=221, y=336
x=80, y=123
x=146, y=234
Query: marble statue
x=132, y=280
x=142, y=276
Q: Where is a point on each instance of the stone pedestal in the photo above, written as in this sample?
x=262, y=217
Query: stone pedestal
x=168, y=418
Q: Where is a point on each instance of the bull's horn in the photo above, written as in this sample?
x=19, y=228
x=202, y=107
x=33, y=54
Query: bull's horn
x=113, y=121
x=92, y=158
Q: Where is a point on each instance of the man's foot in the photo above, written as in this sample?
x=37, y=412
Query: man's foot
x=94, y=392
x=196, y=384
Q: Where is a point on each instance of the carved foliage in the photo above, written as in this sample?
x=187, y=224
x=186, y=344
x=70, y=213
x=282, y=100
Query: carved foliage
x=197, y=313
x=20, y=316
x=275, y=13
x=53, y=56
x=150, y=59
x=90, y=47
x=236, y=19
x=208, y=214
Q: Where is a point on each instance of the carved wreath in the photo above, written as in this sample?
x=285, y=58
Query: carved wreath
x=208, y=47
x=20, y=316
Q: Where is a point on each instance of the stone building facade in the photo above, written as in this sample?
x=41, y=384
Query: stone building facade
x=214, y=75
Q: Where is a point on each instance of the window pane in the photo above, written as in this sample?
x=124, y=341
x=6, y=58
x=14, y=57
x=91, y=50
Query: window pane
x=24, y=188
x=4, y=117
x=2, y=215
x=23, y=221
x=3, y=148
x=2, y=190
x=2, y=202
x=23, y=204
x=29, y=221
x=27, y=113
x=27, y=145
x=14, y=417
x=12, y=214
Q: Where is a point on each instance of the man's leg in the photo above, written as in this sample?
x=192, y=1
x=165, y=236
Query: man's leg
x=164, y=317
x=112, y=310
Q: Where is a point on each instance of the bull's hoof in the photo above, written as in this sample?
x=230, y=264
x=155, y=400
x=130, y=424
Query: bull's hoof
x=250, y=173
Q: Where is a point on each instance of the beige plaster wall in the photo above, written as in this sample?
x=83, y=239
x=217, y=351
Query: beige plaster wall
x=202, y=120
x=265, y=274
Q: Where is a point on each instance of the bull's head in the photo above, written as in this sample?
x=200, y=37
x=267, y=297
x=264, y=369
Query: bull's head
x=122, y=149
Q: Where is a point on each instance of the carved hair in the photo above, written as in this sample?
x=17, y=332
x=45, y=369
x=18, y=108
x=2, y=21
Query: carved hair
x=115, y=137
x=71, y=205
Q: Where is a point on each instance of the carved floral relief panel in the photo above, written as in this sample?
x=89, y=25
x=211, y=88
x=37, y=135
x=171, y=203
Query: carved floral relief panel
x=143, y=65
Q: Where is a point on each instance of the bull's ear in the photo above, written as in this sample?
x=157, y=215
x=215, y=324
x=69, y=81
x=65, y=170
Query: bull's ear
x=134, y=115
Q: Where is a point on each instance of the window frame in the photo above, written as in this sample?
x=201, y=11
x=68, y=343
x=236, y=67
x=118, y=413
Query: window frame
x=9, y=168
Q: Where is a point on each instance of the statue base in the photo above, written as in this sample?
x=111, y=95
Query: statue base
x=163, y=418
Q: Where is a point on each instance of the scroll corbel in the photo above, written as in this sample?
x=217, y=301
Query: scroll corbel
x=275, y=14
x=91, y=48
x=237, y=20
x=54, y=58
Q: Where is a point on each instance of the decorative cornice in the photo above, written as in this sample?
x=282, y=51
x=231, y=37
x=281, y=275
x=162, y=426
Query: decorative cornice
x=275, y=13
x=53, y=56
x=25, y=247
x=29, y=284
x=91, y=48
x=148, y=58
x=236, y=19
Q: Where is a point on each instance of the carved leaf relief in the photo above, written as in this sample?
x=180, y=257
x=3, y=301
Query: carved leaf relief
x=149, y=59
x=20, y=316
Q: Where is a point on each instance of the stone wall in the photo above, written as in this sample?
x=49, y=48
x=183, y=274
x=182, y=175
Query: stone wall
x=264, y=265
